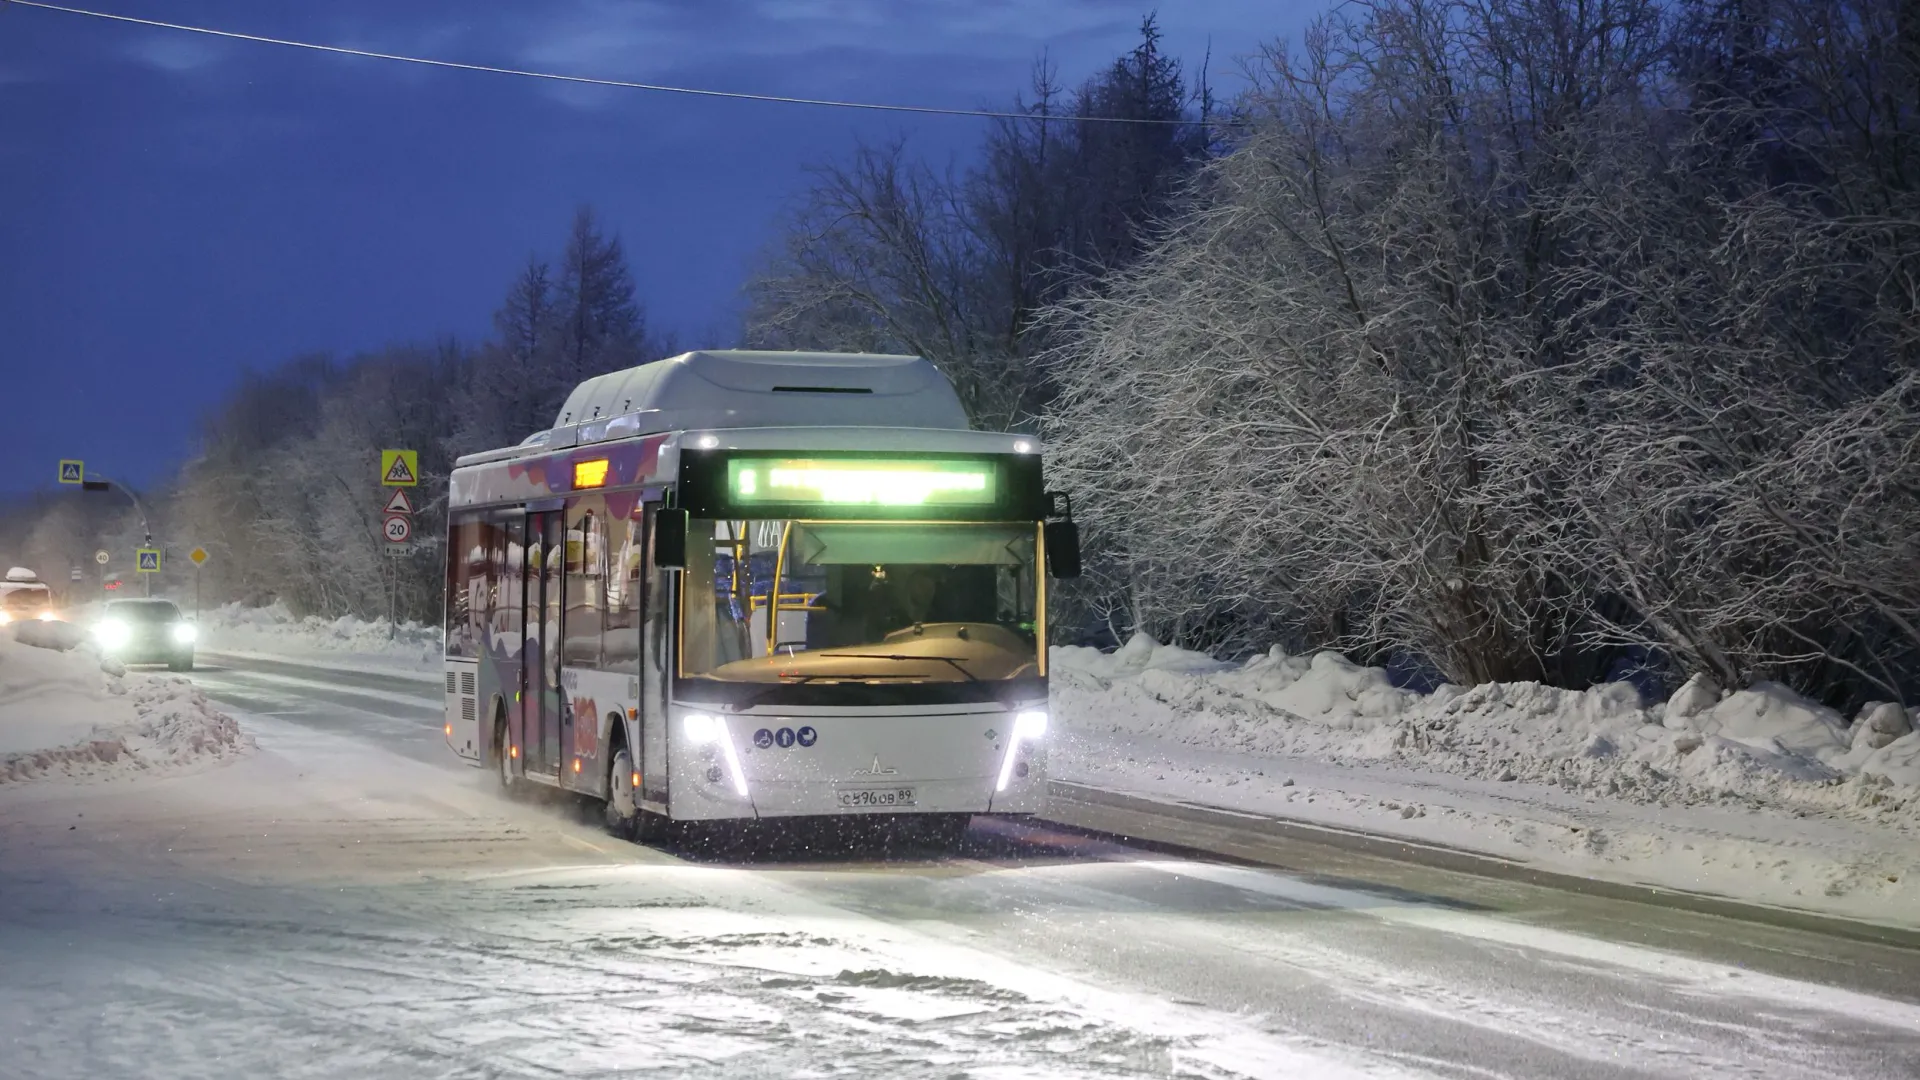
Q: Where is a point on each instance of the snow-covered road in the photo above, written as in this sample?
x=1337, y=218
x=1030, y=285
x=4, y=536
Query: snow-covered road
x=348, y=901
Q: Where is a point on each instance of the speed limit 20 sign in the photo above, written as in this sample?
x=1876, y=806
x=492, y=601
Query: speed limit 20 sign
x=398, y=529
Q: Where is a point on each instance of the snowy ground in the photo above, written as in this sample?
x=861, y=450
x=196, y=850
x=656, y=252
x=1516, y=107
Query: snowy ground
x=63, y=714
x=328, y=908
x=1757, y=795
x=345, y=642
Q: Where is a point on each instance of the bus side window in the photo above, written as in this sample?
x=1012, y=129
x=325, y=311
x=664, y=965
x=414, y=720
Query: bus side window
x=466, y=572
x=586, y=589
x=621, y=642
x=503, y=593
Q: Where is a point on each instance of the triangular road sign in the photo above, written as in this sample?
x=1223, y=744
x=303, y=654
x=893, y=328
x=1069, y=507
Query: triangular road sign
x=399, y=468
x=399, y=503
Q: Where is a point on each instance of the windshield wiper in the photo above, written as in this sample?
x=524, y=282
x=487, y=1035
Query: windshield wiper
x=856, y=677
x=899, y=657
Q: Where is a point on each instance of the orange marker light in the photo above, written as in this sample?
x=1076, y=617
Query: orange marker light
x=636, y=779
x=590, y=474
x=576, y=764
x=449, y=731
x=514, y=752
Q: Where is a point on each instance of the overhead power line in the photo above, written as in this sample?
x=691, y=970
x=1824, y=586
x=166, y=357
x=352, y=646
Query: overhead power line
x=581, y=80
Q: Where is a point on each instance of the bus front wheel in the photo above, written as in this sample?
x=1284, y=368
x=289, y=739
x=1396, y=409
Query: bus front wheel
x=503, y=756
x=626, y=818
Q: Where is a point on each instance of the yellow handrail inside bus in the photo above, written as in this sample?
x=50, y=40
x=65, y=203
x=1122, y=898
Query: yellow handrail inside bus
x=773, y=601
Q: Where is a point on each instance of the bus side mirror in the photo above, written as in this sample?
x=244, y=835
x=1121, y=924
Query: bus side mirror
x=670, y=539
x=1063, y=549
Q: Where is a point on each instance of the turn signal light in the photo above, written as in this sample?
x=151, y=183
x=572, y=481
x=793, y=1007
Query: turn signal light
x=590, y=474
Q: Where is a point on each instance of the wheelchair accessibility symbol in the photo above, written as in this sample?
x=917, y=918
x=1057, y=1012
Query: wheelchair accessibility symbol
x=785, y=738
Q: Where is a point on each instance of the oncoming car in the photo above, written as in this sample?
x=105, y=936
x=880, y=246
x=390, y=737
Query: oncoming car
x=146, y=632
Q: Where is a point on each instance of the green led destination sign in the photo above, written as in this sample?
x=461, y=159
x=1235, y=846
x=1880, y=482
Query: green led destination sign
x=854, y=482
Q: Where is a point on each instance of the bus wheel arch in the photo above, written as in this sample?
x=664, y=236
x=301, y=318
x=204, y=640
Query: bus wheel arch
x=625, y=816
x=623, y=801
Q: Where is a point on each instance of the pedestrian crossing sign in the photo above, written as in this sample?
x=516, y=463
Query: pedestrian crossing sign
x=147, y=560
x=399, y=468
x=73, y=472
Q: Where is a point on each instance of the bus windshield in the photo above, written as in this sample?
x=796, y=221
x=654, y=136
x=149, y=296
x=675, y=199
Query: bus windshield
x=860, y=602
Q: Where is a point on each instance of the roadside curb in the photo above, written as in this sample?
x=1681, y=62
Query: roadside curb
x=1313, y=848
x=396, y=675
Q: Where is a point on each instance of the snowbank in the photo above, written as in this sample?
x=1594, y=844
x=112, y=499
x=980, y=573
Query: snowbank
x=345, y=641
x=68, y=713
x=49, y=635
x=1765, y=744
x=1759, y=794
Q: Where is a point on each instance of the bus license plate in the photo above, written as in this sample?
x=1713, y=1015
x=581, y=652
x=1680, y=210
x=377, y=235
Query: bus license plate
x=874, y=798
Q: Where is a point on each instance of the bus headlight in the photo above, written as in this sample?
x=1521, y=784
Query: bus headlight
x=184, y=633
x=46, y=616
x=1028, y=726
x=112, y=633
x=704, y=730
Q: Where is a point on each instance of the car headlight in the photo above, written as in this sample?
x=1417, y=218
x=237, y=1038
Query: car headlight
x=1030, y=726
x=112, y=633
x=184, y=633
x=704, y=730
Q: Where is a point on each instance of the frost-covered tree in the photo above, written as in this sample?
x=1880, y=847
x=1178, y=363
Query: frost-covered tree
x=1510, y=341
x=284, y=492
x=887, y=253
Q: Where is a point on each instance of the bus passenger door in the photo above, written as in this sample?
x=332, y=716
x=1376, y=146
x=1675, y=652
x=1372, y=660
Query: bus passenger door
x=540, y=655
x=656, y=606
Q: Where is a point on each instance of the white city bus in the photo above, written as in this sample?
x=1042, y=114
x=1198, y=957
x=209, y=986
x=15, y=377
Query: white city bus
x=751, y=585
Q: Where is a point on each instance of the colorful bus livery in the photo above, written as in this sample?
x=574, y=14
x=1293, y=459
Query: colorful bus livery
x=741, y=585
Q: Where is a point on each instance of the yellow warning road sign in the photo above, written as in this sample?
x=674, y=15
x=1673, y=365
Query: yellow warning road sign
x=399, y=468
x=198, y=555
x=73, y=471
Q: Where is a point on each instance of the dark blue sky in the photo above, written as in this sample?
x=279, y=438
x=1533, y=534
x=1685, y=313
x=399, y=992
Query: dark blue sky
x=178, y=208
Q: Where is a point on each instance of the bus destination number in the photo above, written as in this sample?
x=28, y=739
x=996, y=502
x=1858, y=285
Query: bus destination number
x=874, y=798
x=785, y=738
